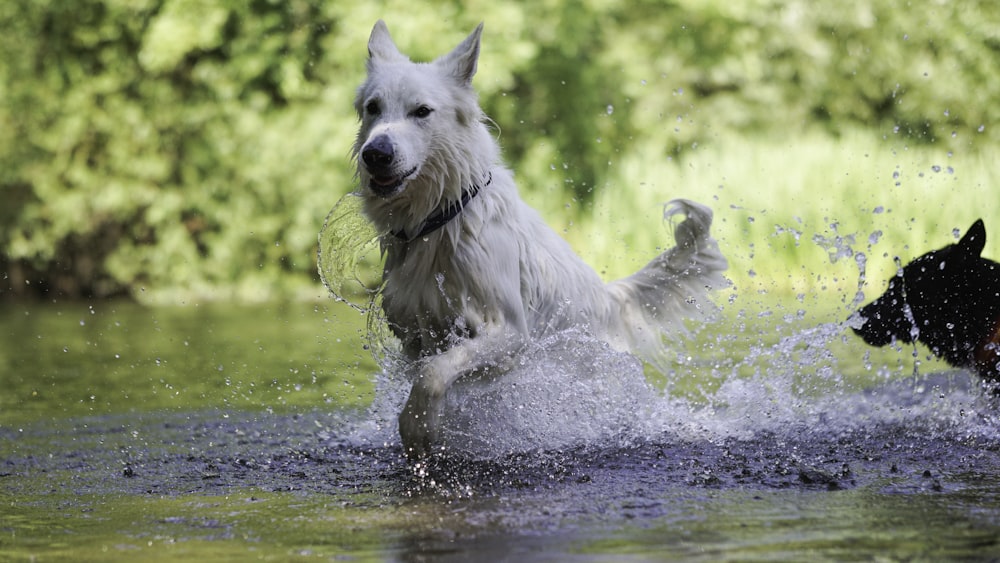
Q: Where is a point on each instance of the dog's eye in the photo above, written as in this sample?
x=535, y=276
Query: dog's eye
x=372, y=108
x=422, y=112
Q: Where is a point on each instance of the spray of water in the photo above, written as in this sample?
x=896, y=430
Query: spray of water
x=350, y=263
x=570, y=391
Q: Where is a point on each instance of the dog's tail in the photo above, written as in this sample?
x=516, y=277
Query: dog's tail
x=675, y=285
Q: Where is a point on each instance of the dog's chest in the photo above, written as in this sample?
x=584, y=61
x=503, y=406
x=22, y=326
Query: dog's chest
x=430, y=296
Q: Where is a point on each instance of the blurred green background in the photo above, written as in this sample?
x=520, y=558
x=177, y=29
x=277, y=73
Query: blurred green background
x=175, y=150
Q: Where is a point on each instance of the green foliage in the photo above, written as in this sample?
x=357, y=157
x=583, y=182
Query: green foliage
x=808, y=215
x=175, y=149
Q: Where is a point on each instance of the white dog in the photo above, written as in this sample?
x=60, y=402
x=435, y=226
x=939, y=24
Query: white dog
x=471, y=272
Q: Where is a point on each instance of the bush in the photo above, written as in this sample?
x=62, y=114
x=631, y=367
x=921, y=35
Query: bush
x=172, y=149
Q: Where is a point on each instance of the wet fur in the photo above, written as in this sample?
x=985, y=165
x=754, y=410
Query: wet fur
x=465, y=298
x=947, y=299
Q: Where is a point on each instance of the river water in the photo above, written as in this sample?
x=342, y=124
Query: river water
x=230, y=433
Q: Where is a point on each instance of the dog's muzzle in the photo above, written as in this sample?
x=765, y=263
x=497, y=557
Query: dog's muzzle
x=379, y=158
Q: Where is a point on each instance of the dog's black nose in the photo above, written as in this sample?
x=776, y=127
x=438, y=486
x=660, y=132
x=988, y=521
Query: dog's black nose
x=378, y=153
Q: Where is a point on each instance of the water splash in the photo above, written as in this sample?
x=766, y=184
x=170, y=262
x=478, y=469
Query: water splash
x=350, y=263
x=570, y=392
x=348, y=249
x=837, y=246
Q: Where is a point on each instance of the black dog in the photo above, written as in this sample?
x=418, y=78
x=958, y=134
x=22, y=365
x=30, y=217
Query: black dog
x=948, y=299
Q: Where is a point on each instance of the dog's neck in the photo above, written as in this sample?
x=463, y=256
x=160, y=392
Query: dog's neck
x=443, y=216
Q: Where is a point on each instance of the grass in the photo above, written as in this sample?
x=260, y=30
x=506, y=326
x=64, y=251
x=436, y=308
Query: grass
x=792, y=215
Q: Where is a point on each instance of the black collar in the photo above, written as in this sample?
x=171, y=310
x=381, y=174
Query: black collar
x=435, y=222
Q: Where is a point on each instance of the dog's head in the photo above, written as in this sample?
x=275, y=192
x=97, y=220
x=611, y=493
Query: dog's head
x=418, y=121
x=933, y=298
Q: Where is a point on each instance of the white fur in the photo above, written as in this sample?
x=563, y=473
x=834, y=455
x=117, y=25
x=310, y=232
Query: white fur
x=464, y=298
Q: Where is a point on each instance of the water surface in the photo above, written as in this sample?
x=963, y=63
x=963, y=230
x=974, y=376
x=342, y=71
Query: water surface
x=228, y=433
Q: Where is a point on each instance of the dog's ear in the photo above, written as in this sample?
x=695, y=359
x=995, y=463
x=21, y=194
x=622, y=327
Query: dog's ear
x=462, y=61
x=381, y=46
x=974, y=240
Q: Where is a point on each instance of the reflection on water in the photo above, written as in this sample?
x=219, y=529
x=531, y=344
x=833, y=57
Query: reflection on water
x=267, y=432
x=79, y=359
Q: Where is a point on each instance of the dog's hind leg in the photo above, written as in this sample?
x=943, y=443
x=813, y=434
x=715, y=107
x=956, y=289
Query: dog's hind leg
x=420, y=421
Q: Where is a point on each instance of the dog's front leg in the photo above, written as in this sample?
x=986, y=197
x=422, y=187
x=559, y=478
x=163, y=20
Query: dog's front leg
x=420, y=421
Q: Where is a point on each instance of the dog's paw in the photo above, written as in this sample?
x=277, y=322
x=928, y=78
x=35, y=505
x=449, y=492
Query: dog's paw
x=419, y=425
x=414, y=435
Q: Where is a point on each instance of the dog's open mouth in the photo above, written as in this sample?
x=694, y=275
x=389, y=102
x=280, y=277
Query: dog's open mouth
x=385, y=186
